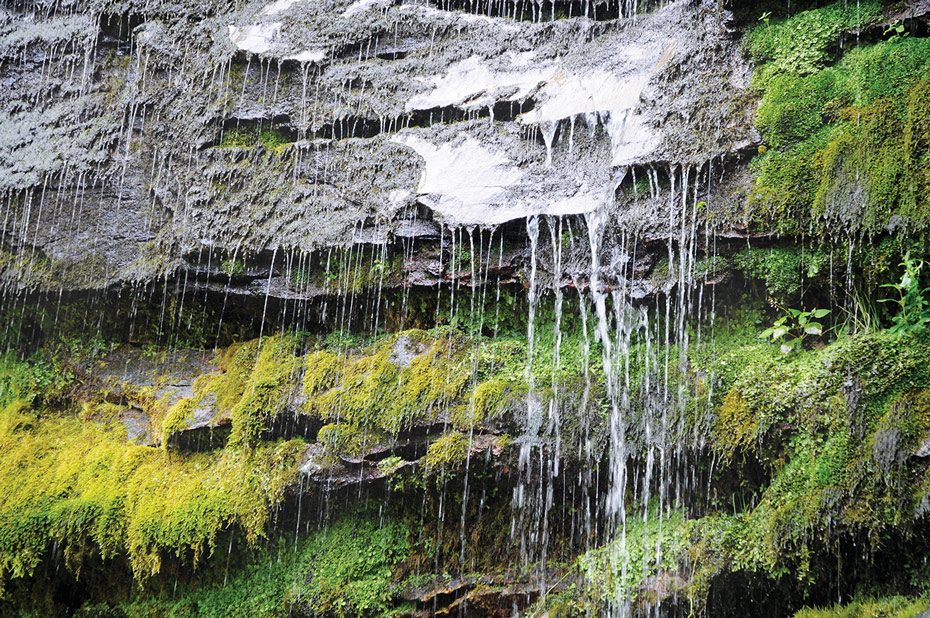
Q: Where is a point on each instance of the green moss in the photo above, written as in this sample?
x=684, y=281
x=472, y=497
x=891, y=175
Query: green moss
x=791, y=107
x=890, y=607
x=323, y=372
x=248, y=136
x=343, y=569
x=838, y=156
x=836, y=429
x=785, y=270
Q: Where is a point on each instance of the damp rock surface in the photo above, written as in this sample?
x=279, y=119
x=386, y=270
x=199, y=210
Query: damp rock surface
x=133, y=139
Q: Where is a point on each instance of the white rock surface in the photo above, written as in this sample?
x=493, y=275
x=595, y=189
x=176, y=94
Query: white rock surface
x=256, y=38
x=464, y=181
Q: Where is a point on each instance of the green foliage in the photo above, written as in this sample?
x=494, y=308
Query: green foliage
x=793, y=327
x=353, y=269
x=232, y=267
x=801, y=43
x=895, y=31
x=39, y=380
x=244, y=137
x=784, y=270
x=619, y=568
x=345, y=569
x=248, y=136
x=913, y=304
x=890, y=607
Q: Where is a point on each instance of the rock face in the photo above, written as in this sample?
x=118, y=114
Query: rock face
x=140, y=142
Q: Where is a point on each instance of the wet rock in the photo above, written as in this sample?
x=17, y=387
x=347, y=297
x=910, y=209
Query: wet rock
x=495, y=596
x=307, y=119
x=136, y=423
x=425, y=230
x=405, y=349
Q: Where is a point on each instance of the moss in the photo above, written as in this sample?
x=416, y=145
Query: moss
x=838, y=157
x=323, y=371
x=889, y=607
x=82, y=487
x=348, y=439
x=836, y=428
x=268, y=390
x=177, y=418
x=801, y=44
x=448, y=452
x=488, y=400
x=790, y=110
x=736, y=425
x=374, y=391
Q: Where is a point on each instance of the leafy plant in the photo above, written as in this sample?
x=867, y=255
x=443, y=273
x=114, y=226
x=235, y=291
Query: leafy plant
x=896, y=30
x=913, y=307
x=793, y=327
x=764, y=18
x=233, y=267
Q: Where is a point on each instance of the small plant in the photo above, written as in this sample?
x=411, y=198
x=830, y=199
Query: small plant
x=390, y=465
x=240, y=137
x=792, y=328
x=913, y=307
x=233, y=267
x=764, y=18
x=273, y=138
x=896, y=31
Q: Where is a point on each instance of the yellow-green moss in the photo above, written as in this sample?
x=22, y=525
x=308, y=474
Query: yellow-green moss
x=736, y=425
x=82, y=487
x=347, y=438
x=236, y=364
x=488, y=400
x=177, y=418
x=448, y=452
x=323, y=371
x=254, y=384
x=375, y=392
